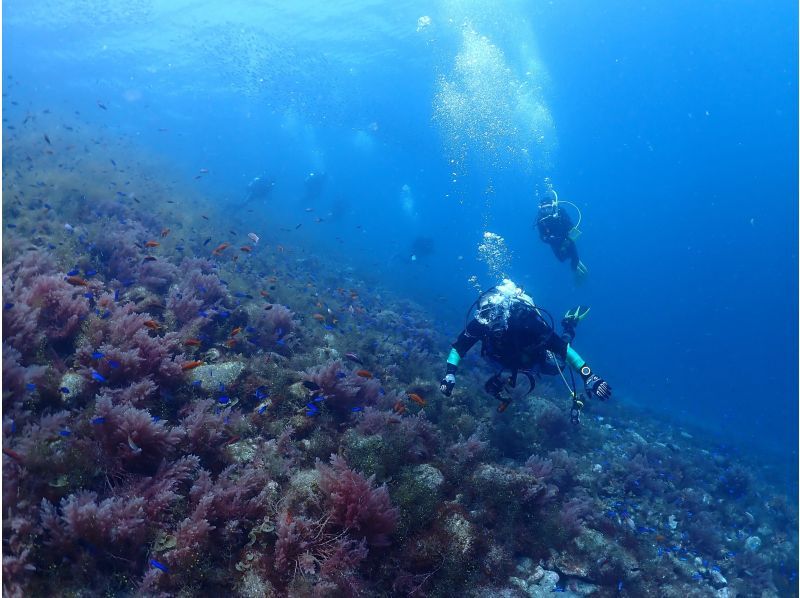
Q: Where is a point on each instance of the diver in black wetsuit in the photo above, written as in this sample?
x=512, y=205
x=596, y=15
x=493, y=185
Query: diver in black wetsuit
x=517, y=339
x=313, y=186
x=259, y=190
x=557, y=230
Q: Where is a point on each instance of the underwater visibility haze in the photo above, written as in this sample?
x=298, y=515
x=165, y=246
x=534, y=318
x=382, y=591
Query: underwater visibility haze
x=241, y=244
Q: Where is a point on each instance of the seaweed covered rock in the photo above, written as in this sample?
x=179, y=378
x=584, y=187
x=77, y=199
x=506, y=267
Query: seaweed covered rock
x=418, y=493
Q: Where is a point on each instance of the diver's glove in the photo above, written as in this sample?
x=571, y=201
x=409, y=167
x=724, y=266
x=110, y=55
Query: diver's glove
x=594, y=384
x=447, y=384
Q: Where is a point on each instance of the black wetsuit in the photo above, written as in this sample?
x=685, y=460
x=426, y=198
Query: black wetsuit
x=554, y=230
x=521, y=346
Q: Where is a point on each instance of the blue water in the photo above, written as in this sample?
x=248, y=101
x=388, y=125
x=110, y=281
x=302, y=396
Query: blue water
x=673, y=127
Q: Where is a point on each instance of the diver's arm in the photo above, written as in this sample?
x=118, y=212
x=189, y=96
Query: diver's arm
x=465, y=341
x=593, y=383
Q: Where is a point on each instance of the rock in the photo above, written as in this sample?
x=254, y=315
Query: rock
x=428, y=476
x=212, y=375
x=581, y=588
x=462, y=534
x=717, y=579
x=538, y=574
x=638, y=437
x=74, y=383
x=672, y=522
x=567, y=564
x=242, y=451
x=525, y=566
x=753, y=543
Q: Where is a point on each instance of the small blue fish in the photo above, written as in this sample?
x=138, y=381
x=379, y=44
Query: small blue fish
x=202, y=313
x=90, y=272
x=261, y=392
x=12, y=226
x=30, y=386
x=262, y=409
x=311, y=409
x=224, y=314
x=619, y=587
x=197, y=383
x=105, y=315
x=160, y=566
x=357, y=409
x=65, y=433
x=98, y=355
x=99, y=420
x=8, y=306
x=155, y=418
x=341, y=375
x=97, y=376
x=88, y=295
x=64, y=389
x=13, y=426
x=224, y=400
x=113, y=363
x=116, y=294
x=73, y=272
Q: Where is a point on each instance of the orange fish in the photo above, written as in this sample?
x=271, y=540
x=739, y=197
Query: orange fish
x=192, y=342
x=417, y=399
x=221, y=248
x=236, y=331
x=399, y=407
x=152, y=325
x=230, y=343
x=76, y=281
x=152, y=244
x=319, y=317
x=364, y=374
x=264, y=293
x=164, y=232
x=190, y=365
x=246, y=248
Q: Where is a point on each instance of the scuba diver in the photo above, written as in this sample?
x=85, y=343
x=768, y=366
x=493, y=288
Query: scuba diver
x=516, y=339
x=556, y=229
x=259, y=189
x=313, y=186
